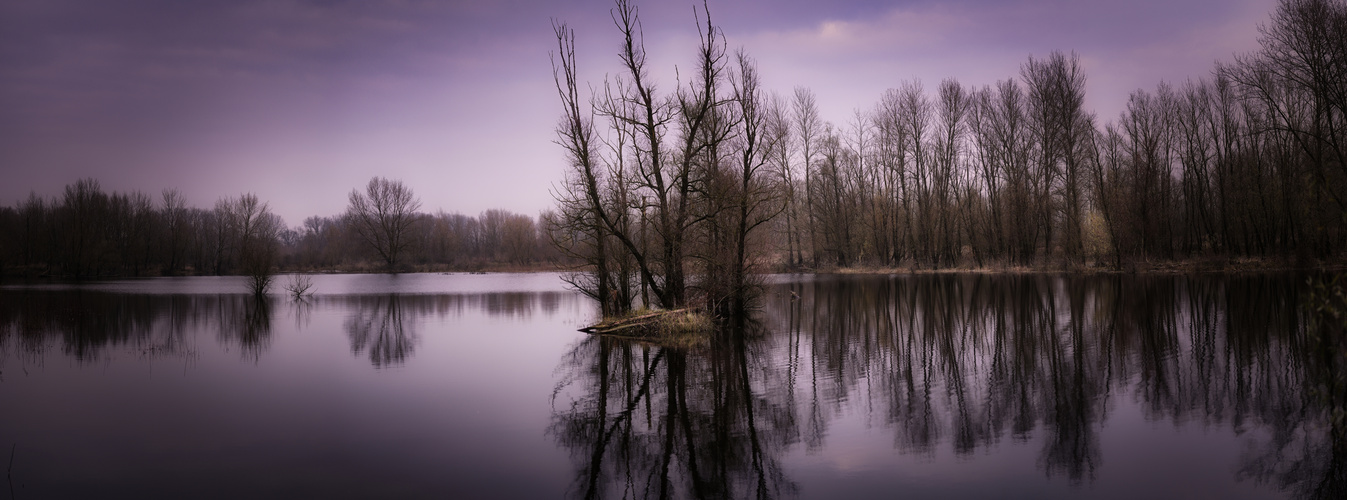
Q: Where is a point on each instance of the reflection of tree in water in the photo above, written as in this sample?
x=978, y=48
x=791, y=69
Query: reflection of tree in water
x=650, y=422
x=970, y=360
x=83, y=325
x=384, y=325
x=302, y=311
x=502, y=304
x=963, y=360
x=1307, y=452
x=246, y=320
x=379, y=326
x=86, y=324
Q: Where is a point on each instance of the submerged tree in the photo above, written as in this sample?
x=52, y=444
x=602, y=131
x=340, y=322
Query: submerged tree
x=255, y=231
x=652, y=193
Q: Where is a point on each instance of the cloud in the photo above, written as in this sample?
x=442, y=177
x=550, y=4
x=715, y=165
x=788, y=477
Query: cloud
x=900, y=30
x=1123, y=45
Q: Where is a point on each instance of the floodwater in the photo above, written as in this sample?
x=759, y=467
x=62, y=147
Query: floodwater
x=479, y=386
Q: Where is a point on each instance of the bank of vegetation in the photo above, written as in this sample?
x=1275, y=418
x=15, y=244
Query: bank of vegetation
x=677, y=193
x=87, y=232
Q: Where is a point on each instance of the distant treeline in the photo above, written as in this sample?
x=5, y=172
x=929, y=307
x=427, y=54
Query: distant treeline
x=87, y=232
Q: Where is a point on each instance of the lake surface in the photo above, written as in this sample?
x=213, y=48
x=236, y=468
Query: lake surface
x=479, y=386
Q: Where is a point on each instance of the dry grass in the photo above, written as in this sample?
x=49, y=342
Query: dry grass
x=690, y=321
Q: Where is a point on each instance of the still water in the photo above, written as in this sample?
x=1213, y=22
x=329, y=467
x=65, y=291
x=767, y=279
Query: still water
x=479, y=386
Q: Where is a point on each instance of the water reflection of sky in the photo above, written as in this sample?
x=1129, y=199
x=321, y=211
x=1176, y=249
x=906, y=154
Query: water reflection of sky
x=848, y=386
x=325, y=284
x=119, y=394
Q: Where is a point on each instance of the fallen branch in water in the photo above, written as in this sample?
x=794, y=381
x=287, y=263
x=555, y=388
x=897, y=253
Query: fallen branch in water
x=618, y=324
x=679, y=327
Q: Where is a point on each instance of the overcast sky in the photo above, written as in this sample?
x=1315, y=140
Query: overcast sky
x=301, y=101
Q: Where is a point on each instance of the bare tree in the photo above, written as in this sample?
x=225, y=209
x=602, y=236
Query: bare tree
x=915, y=112
x=808, y=127
x=85, y=219
x=670, y=141
x=1010, y=142
x=581, y=227
x=174, y=218
x=779, y=126
x=757, y=192
x=1059, y=123
x=1300, y=76
x=33, y=230
x=299, y=285
x=253, y=232
x=518, y=238
x=952, y=111
x=383, y=217
x=892, y=157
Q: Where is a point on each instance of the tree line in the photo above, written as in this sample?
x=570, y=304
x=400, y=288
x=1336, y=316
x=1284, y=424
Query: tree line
x=87, y=232
x=715, y=176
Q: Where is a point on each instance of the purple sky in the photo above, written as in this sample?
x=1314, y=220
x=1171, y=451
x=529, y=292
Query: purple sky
x=301, y=101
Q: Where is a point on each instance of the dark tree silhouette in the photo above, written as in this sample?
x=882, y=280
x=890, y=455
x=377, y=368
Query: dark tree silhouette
x=383, y=216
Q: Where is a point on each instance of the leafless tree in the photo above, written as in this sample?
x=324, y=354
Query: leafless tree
x=946, y=170
x=1011, y=141
x=915, y=117
x=758, y=193
x=779, y=126
x=253, y=231
x=85, y=218
x=808, y=127
x=670, y=143
x=891, y=144
x=581, y=226
x=383, y=217
x=174, y=217
x=299, y=285
x=1301, y=77
x=1060, y=127
x=518, y=238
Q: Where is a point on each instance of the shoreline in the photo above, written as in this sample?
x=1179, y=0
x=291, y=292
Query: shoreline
x=1188, y=266
x=1173, y=267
